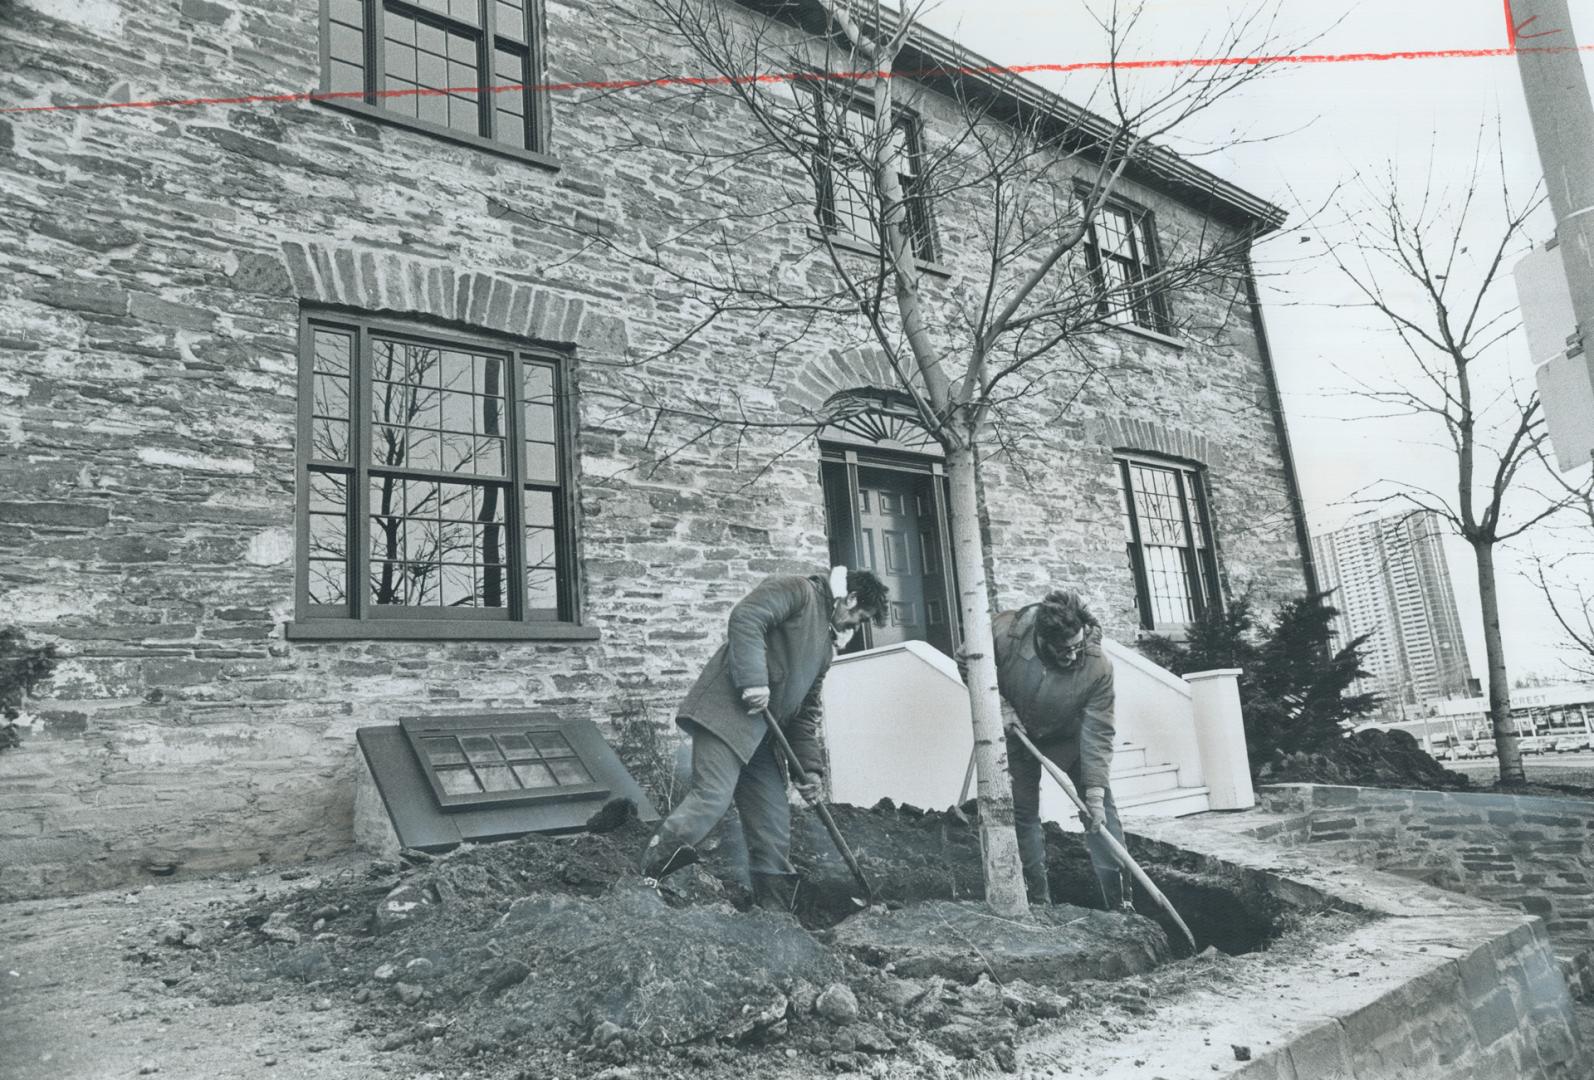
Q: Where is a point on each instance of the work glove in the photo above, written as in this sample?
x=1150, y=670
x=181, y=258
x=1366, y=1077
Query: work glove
x=1096, y=804
x=756, y=698
x=812, y=788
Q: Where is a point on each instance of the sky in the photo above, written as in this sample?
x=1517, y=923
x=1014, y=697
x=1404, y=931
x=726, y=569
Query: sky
x=1310, y=131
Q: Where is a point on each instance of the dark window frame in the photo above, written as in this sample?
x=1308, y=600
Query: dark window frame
x=366, y=101
x=922, y=234
x=358, y=618
x=1200, y=559
x=1141, y=307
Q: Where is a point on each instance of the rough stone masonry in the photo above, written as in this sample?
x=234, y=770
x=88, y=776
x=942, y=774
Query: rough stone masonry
x=1531, y=853
x=152, y=282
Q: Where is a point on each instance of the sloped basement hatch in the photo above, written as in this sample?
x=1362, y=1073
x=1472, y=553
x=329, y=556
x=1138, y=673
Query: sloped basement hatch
x=443, y=780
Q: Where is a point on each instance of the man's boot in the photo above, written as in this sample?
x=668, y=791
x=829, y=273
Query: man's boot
x=775, y=892
x=1113, y=893
x=662, y=858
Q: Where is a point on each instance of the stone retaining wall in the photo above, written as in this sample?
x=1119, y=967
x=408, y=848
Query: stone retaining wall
x=1532, y=853
x=1439, y=985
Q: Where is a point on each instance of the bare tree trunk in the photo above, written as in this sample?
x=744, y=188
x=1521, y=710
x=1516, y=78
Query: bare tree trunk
x=1004, y=871
x=1505, y=738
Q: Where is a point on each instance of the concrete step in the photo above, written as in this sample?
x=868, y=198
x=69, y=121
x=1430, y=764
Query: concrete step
x=1175, y=802
x=1126, y=756
x=1146, y=780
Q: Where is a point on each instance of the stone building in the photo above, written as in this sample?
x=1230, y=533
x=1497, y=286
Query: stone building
x=303, y=426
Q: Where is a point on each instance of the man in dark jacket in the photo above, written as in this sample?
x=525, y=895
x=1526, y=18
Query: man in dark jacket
x=781, y=639
x=1057, y=685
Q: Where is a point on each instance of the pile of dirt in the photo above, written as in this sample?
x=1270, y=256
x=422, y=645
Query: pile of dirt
x=552, y=957
x=1371, y=758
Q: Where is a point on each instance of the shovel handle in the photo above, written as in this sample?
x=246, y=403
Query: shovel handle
x=820, y=808
x=1126, y=860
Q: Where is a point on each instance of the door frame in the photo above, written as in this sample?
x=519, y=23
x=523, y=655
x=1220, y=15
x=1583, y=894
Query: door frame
x=852, y=458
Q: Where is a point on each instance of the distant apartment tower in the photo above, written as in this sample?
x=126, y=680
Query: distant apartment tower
x=1391, y=582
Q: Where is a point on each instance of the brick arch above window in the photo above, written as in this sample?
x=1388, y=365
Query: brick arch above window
x=830, y=376
x=380, y=282
x=1153, y=437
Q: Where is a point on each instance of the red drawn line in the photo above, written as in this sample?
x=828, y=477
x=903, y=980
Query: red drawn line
x=781, y=77
x=1515, y=31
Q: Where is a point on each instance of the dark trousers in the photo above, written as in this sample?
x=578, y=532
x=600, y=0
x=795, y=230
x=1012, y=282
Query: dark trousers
x=758, y=789
x=1026, y=774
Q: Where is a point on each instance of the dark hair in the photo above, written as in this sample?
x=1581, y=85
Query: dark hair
x=871, y=593
x=1060, y=616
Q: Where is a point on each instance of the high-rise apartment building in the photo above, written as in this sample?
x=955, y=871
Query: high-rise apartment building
x=1392, y=583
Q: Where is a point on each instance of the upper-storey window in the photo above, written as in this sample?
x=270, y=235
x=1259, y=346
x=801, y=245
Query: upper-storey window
x=848, y=202
x=434, y=483
x=460, y=68
x=1170, y=544
x=1121, y=251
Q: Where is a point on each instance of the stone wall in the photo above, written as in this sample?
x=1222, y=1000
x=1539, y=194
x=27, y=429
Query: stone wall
x=1500, y=1009
x=1435, y=986
x=1531, y=853
x=150, y=294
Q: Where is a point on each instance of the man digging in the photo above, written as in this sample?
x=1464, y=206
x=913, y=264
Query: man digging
x=780, y=641
x=1057, y=687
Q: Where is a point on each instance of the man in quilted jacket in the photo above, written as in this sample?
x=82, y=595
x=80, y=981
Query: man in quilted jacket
x=780, y=641
x=1057, y=685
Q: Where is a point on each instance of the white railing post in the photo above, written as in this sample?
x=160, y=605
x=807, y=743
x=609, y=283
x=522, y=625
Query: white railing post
x=1220, y=734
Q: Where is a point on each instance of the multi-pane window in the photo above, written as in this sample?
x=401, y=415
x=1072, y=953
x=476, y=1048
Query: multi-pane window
x=472, y=761
x=466, y=67
x=1121, y=252
x=848, y=202
x=432, y=473
x=1170, y=544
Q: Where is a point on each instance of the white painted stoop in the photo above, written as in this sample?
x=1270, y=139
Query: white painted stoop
x=1151, y=790
x=897, y=726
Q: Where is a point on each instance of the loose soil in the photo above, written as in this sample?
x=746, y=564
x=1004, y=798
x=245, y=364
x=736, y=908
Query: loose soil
x=552, y=958
x=1371, y=758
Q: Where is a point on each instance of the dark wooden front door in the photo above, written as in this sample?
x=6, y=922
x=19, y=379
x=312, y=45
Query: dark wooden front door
x=893, y=527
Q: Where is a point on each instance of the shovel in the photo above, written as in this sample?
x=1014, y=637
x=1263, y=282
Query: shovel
x=1124, y=858
x=963, y=793
x=821, y=809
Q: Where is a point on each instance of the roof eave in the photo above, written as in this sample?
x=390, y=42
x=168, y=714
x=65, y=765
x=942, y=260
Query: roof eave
x=941, y=58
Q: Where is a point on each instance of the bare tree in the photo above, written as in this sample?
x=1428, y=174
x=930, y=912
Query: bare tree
x=1572, y=604
x=1412, y=261
x=827, y=164
x=1563, y=578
